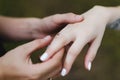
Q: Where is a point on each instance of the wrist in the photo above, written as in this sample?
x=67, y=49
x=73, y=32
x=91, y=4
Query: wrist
x=33, y=27
x=98, y=14
x=105, y=12
x=114, y=12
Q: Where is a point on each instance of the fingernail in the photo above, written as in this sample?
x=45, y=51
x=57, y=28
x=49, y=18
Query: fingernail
x=89, y=66
x=44, y=57
x=79, y=17
x=47, y=37
x=63, y=72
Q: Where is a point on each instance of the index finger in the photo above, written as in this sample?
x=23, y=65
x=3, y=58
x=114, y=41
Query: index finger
x=58, y=42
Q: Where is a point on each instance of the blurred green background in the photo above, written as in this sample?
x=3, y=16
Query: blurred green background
x=106, y=66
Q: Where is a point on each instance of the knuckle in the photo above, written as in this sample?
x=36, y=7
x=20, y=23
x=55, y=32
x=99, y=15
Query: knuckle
x=55, y=18
x=61, y=38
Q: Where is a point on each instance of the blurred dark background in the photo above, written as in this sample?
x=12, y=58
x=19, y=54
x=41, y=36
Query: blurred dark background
x=106, y=66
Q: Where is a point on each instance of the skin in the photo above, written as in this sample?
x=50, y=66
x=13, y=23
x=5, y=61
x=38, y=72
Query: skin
x=16, y=64
x=32, y=28
x=91, y=31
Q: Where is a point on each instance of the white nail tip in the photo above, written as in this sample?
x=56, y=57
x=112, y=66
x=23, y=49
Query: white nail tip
x=63, y=73
x=89, y=66
x=44, y=57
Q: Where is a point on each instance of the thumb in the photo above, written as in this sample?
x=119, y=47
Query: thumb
x=66, y=18
x=26, y=49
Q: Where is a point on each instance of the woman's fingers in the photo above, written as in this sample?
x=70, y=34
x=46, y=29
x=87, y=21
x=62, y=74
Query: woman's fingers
x=72, y=53
x=59, y=42
x=92, y=53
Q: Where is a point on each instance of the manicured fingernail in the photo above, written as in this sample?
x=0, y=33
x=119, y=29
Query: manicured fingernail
x=63, y=72
x=44, y=57
x=79, y=17
x=89, y=66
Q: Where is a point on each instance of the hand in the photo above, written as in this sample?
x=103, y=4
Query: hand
x=32, y=28
x=52, y=24
x=91, y=31
x=17, y=65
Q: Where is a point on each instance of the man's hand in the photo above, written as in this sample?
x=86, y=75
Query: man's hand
x=32, y=28
x=17, y=65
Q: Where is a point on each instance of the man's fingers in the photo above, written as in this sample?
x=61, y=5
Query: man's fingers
x=92, y=53
x=26, y=49
x=52, y=66
x=56, y=20
x=59, y=42
x=66, y=18
x=73, y=52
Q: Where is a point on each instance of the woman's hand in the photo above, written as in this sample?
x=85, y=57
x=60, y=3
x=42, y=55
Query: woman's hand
x=17, y=64
x=32, y=28
x=91, y=31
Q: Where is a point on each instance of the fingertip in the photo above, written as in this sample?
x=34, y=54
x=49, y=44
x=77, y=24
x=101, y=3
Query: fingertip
x=63, y=72
x=66, y=69
x=79, y=18
x=72, y=18
x=88, y=64
x=47, y=37
x=44, y=57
